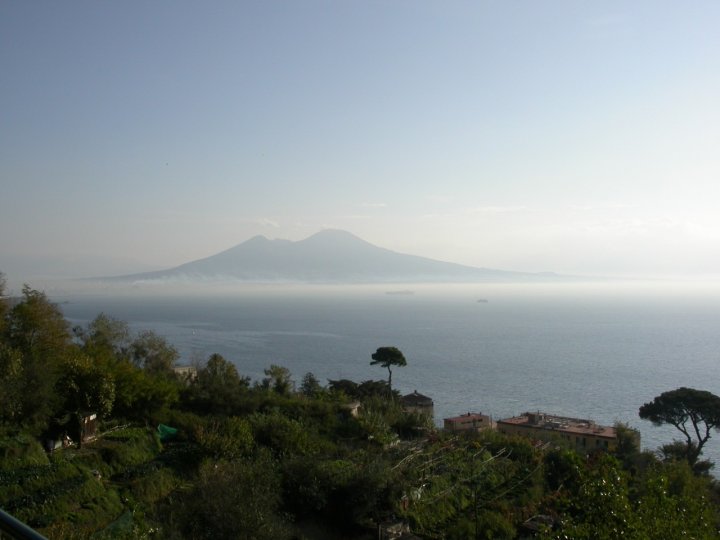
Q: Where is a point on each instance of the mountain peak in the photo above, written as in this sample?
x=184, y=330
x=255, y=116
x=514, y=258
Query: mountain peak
x=333, y=237
x=329, y=256
x=333, y=233
x=259, y=239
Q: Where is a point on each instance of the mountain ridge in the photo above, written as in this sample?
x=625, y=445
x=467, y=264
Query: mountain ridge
x=328, y=256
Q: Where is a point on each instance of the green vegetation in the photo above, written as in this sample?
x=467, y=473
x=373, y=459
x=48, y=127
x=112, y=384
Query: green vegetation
x=388, y=357
x=693, y=412
x=262, y=460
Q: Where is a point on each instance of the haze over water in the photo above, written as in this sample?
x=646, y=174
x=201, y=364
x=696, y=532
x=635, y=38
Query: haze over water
x=572, y=137
x=595, y=351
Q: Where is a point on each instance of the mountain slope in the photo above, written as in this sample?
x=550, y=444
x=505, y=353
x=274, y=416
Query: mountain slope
x=330, y=256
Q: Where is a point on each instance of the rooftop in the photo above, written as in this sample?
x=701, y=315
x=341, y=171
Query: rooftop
x=467, y=417
x=576, y=426
x=416, y=398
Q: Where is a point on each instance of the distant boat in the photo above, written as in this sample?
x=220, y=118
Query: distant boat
x=404, y=292
x=482, y=301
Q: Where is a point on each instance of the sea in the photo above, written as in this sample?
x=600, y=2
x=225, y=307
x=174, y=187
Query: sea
x=584, y=350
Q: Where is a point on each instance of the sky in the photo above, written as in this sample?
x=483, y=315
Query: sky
x=575, y=137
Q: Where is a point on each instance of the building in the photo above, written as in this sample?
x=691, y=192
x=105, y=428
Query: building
x=88, y=427
x=416, y=402
x=468, y=422
x=585, y=435
x=186, y=373
x=352, y=408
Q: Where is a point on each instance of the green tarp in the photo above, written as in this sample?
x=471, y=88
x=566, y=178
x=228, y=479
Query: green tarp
x=166, y=432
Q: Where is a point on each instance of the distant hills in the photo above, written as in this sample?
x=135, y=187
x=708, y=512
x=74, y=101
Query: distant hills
x=330, y=256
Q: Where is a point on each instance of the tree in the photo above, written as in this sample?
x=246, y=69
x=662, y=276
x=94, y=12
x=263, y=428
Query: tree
x=677, y=451
x=105, y=335
x=85, y=387
x=628, y=445
x=346, y=386
x=4, y=307
x=672, y=502
x=218, y=387
x=36, y=341
x=693, y=412
x=11, y=382
x=368, y=389
x=218, y=372
x=279, y=379
x=387, y=357
x=37, y=328
x=225, y=438
x=138, y=393
x=310, y=386
x=599, y=506
x=155, y=355
x=238, y=499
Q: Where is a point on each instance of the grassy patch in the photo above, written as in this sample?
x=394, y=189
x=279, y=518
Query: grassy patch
x=20, y=451
x=75, y=492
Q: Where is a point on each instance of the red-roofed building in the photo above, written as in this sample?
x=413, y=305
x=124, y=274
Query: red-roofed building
x=468, y=422
x=585, y=435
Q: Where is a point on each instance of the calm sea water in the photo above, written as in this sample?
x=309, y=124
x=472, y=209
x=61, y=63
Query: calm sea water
x=594, y=352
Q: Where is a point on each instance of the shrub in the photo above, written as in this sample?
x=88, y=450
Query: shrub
x=228, y=439
x=22, y=450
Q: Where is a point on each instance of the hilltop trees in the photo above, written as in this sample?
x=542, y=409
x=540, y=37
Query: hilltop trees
x=263, y=461
x=105, y=337
x=37, y=328
x=34, y=342
x=155, y=355
x=387, y=357
x=3, y=301
x=693, y=412
x=278, y=379
x=310, y=386
x=84, y=385
x=218, y=387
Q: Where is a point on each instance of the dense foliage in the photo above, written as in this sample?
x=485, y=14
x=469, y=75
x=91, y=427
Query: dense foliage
x=263, y=459
x=695, y=413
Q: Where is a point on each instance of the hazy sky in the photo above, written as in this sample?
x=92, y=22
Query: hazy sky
x=577, y=137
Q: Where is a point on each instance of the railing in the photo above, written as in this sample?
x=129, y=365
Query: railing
x=13, y=529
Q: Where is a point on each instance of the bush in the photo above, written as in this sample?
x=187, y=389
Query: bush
x=19, y=451
x=128, y=447
x=282, y=435
x=229, y=438
x=234, y=500
x=154, y=485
